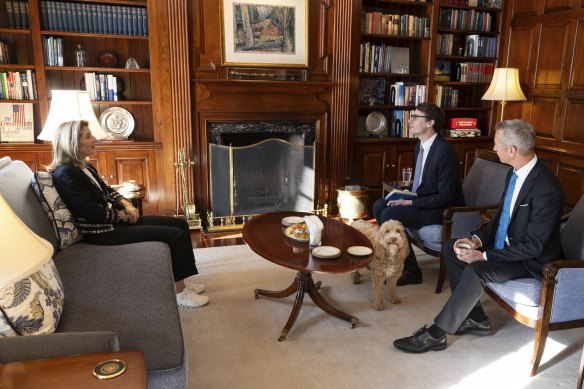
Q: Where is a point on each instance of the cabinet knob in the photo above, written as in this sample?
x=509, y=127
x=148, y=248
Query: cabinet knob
x=111, y=176
x=392, y=165
x=460, y=163
x=386, y=165
x=103, y=177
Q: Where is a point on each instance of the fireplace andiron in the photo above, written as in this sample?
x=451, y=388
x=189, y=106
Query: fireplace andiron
x=189, y=210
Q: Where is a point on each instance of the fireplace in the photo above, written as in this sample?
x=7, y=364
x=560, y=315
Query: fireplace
x=257, y=167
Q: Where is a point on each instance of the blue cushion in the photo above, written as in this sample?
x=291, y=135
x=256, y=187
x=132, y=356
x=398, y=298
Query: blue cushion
x=431, y=236
x=524, y=291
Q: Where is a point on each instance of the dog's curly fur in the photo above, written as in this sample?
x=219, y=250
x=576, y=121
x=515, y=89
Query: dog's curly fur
x=391, y=248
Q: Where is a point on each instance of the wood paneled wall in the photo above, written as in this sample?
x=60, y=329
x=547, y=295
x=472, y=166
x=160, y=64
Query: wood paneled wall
x=323, y=97
x=545, y=40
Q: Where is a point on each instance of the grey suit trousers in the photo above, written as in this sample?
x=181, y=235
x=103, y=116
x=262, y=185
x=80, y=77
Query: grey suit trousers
x=467, y=282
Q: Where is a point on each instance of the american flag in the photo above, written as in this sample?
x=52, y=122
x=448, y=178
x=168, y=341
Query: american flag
x=18, y=115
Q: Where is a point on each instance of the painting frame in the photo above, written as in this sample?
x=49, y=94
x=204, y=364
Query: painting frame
x=277, y=48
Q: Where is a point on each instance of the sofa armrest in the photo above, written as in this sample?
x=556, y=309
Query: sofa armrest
x=23, y=348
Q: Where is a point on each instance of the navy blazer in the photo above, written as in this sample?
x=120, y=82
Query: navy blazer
x=440, y=187
x=534, y=228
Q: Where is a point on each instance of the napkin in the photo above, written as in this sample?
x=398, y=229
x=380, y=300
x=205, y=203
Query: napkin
x=315, y=227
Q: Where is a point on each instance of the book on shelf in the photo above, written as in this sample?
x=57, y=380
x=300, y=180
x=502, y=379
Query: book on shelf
x=16, y=123
x=462, y=132
x=461, y=123
x=4, y=55
x=471, y=48
x=398, y=194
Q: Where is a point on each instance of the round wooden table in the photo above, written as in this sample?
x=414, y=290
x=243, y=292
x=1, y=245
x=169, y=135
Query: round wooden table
x=264, y=234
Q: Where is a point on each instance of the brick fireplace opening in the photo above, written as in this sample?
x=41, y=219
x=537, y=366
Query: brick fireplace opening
x=257, y=167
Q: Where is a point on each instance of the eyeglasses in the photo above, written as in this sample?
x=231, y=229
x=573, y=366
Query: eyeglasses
x=414, y=116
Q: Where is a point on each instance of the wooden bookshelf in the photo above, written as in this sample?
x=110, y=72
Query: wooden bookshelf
x=137, y=160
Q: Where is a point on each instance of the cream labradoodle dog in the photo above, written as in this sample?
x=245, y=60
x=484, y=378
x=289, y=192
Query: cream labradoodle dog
x=390, y=245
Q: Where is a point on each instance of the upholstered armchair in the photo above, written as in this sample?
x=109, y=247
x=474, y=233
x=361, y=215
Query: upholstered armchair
x=557, y=301
x=483, y=188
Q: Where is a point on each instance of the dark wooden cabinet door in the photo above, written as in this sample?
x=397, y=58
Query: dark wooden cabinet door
x=118, y=166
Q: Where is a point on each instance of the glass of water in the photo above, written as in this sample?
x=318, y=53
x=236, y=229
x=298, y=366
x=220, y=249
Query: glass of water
x=407, y=175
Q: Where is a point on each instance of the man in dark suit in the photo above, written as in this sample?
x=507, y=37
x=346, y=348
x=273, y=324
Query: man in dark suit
x=523, y=236
x=436, y=181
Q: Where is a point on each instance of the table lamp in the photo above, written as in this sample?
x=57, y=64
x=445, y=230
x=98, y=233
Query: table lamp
x=505, y=87
x=22, y=251
x=68, y=105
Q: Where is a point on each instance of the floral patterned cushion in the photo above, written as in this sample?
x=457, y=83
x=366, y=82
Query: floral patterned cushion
x=58, y=213
x=33, y=305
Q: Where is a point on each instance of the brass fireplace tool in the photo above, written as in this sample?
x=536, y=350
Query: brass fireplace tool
x=189, y=210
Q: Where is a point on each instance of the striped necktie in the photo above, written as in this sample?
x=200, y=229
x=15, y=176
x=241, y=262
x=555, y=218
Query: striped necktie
x=505, y=214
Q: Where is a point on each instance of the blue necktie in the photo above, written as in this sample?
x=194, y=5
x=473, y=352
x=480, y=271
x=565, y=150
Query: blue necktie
x=505, y=214
x=418, y=172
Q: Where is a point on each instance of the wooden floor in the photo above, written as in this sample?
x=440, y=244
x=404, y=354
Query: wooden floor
x=203, y=239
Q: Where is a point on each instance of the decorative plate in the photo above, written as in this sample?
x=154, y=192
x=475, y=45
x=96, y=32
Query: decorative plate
x=289, y=220
x=326, y=252
x=375, y=123
x=117, y=121
x=360, y=251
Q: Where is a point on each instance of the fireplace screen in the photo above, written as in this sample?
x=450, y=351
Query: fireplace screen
x=272, y=175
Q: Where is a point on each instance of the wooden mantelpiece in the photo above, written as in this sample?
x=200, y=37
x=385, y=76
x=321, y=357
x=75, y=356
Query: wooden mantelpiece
x=232, y=101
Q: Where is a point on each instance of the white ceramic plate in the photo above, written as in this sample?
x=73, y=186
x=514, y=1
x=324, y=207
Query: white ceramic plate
x=359, y=250
x=289, y=220
x=117, y=121
x=326, y=252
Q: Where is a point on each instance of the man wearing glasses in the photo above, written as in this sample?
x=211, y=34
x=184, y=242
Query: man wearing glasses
x=436, y=182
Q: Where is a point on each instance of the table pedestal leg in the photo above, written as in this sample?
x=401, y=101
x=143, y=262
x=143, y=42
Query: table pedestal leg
x=303, y=283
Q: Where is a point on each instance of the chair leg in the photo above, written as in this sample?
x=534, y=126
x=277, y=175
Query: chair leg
x=441, y=275
x=541, y=333
x=581, y=373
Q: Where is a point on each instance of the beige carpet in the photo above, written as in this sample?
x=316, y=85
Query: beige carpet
x=232, y=343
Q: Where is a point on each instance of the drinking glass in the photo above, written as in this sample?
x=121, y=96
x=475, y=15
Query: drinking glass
x=407, y=175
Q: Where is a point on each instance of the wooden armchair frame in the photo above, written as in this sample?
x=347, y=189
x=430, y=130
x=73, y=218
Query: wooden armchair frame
x=542, y=324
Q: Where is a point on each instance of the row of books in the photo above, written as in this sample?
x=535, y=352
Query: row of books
x=383, y=58
x=17, y=12
x=101, y=87
x=4, y=57
x=446, y=96
x=401, y=93
x=93, y=18
x=18, y=86
x=398, y=124
x=462, y=19
x=474, y=72
x=476, y=3
x=53, y=51
x=474, y=45
x=376, y=22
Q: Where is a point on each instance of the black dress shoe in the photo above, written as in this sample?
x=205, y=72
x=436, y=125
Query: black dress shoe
x=420, y=342
x=410, y=277
x=477, y=327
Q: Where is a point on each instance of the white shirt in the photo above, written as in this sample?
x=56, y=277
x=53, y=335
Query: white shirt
x=426, y=147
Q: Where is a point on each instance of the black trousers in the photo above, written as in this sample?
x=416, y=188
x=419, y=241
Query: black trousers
x=467, y=282
x=410, y=217
x=170, y=230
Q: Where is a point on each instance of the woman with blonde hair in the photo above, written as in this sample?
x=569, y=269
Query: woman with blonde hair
x=105, y=217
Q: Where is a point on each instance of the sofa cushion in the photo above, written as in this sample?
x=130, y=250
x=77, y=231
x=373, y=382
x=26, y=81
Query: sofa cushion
x=15, y=187
x=61, y=218
x=33, y=304
x=125, y=289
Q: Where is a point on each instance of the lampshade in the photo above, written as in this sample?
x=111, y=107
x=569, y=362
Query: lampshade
x=505, y=86
x=22, y=252
x=67, y=105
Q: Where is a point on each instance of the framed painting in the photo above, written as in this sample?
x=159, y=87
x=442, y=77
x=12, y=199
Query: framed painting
x=271, y=33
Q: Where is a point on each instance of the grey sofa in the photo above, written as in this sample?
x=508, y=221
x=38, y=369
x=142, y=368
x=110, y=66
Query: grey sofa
x=116, y=297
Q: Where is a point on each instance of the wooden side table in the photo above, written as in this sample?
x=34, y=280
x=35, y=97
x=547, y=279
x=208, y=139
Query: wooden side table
x=74, y=371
